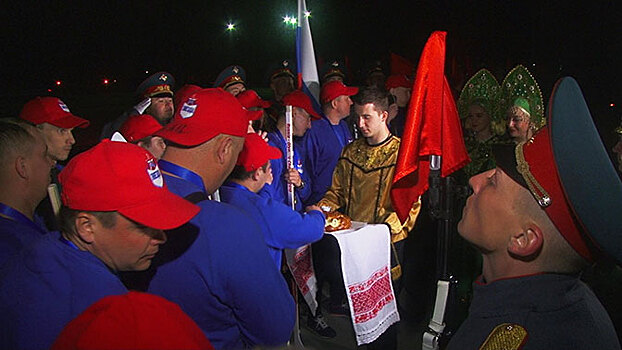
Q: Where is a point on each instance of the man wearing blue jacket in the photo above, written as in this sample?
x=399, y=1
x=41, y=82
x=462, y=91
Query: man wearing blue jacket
x=115, y=206
x=217, y=267
x=282, y=227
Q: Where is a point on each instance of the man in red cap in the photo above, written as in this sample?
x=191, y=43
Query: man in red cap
x=302, y=112
x=56, y=122
x=217, y=267
x=250, y=100
x=549, y=209
x=115, y=208
x=281, y=226
x=137, y=321
x=25, y=176
x=156, y=99
x=328, y=136
x=400, y=86
x=139, y=129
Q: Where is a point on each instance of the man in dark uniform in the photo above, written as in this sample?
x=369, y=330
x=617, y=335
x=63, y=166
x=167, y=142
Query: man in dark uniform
x=538, y=220
x=333, y=70
x=232, y=79
x=155, y=95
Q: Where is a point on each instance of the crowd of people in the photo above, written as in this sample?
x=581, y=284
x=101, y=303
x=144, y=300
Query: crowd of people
x=176, y=221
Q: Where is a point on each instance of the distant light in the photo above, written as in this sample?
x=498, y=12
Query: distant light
x=58, y=82
x=612, y=105
x=49, y=90
x=293, y=21
x=533, y=64
x=307, y=14
x=105, y=81
x=114, y=81
x=146, y=72
x=287, y=19
x=230, y=26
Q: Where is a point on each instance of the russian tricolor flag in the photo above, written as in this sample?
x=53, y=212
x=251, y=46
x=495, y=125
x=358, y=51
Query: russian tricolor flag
x=308, y=79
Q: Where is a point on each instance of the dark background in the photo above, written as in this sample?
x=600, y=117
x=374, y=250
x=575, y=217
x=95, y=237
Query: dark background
x=82, y=43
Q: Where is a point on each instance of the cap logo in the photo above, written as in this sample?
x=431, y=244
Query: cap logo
x=187, y=110
x=154, y=173
x=163, y=77
x=335, y=64
x=285, y=63
x=235, y=69
x=63, y=106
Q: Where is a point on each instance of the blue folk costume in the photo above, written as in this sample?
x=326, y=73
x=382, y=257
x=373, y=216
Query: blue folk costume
x=218, y=269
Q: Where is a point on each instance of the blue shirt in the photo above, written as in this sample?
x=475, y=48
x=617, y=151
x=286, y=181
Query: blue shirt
x=323, y=144
x=17, y=234
x=281, y=226
x=278, y=189
x=218, y=269
x=44, y=287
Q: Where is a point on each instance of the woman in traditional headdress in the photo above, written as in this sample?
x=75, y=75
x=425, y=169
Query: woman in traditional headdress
x=476, y=105
x=521, y=104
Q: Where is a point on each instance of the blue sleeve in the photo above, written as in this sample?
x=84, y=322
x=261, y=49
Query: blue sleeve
x=255, y=290
x=313, y=164
x=290, y=229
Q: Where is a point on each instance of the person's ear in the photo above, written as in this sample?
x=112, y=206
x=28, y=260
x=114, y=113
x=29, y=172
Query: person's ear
x=384, y=115
x=224, y=149
x=333, y=103
x=527, y=243
x=256, y=174
x=21, y=168
x=86, y=227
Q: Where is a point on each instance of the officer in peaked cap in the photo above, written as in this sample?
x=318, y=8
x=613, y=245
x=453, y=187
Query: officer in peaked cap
x=155, y=96
x=375, y=74
x=549, y=210
x=232, y=79
x=333, y=70
x=283, y=78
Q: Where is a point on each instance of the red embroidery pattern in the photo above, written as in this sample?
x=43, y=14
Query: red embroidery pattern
x=302, y=269
x=370, y=296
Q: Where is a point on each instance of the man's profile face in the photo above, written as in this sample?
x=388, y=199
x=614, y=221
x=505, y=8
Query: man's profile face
x=342, y=105
x=59, y=141
x=301, y=121
x=128, y=245
x=156, y=146
x=490, y=215
x=161, y=108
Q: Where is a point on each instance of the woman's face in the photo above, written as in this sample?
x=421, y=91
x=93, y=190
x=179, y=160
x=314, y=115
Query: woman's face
x=478, y=119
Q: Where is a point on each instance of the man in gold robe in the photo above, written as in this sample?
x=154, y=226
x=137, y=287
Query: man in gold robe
x=362, y=182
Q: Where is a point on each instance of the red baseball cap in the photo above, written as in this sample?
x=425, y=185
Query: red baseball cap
x=334, y=89
x=119, y=176
x=398, y=80
x=53, y=111
x=298, y=98
x=183, y=93
x=205, y=114
x=132, y=321
x=249, y=99
x=139, y=126
x=256, y=152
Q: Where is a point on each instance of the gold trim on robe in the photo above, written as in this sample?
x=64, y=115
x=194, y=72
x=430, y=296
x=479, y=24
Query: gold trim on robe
x=362, y=183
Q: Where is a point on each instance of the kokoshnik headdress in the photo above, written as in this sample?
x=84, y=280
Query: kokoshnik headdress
x=482, y=89
x=520, y=89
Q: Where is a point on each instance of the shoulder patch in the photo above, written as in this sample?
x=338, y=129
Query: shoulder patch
x=506, y=336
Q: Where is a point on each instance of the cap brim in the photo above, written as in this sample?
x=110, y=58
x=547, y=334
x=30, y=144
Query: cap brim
x=165, y=212
x=587, y=175
x=351, y=91
x=505, y=158
x=255, y=115
x=70, y=121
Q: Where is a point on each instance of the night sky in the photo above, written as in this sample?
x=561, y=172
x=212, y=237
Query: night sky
x=82, y=43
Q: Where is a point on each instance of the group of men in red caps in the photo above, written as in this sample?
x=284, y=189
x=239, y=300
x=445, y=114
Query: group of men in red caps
x=140, y=210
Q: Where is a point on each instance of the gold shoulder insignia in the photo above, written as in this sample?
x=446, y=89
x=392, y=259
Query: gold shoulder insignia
x=506, y=336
